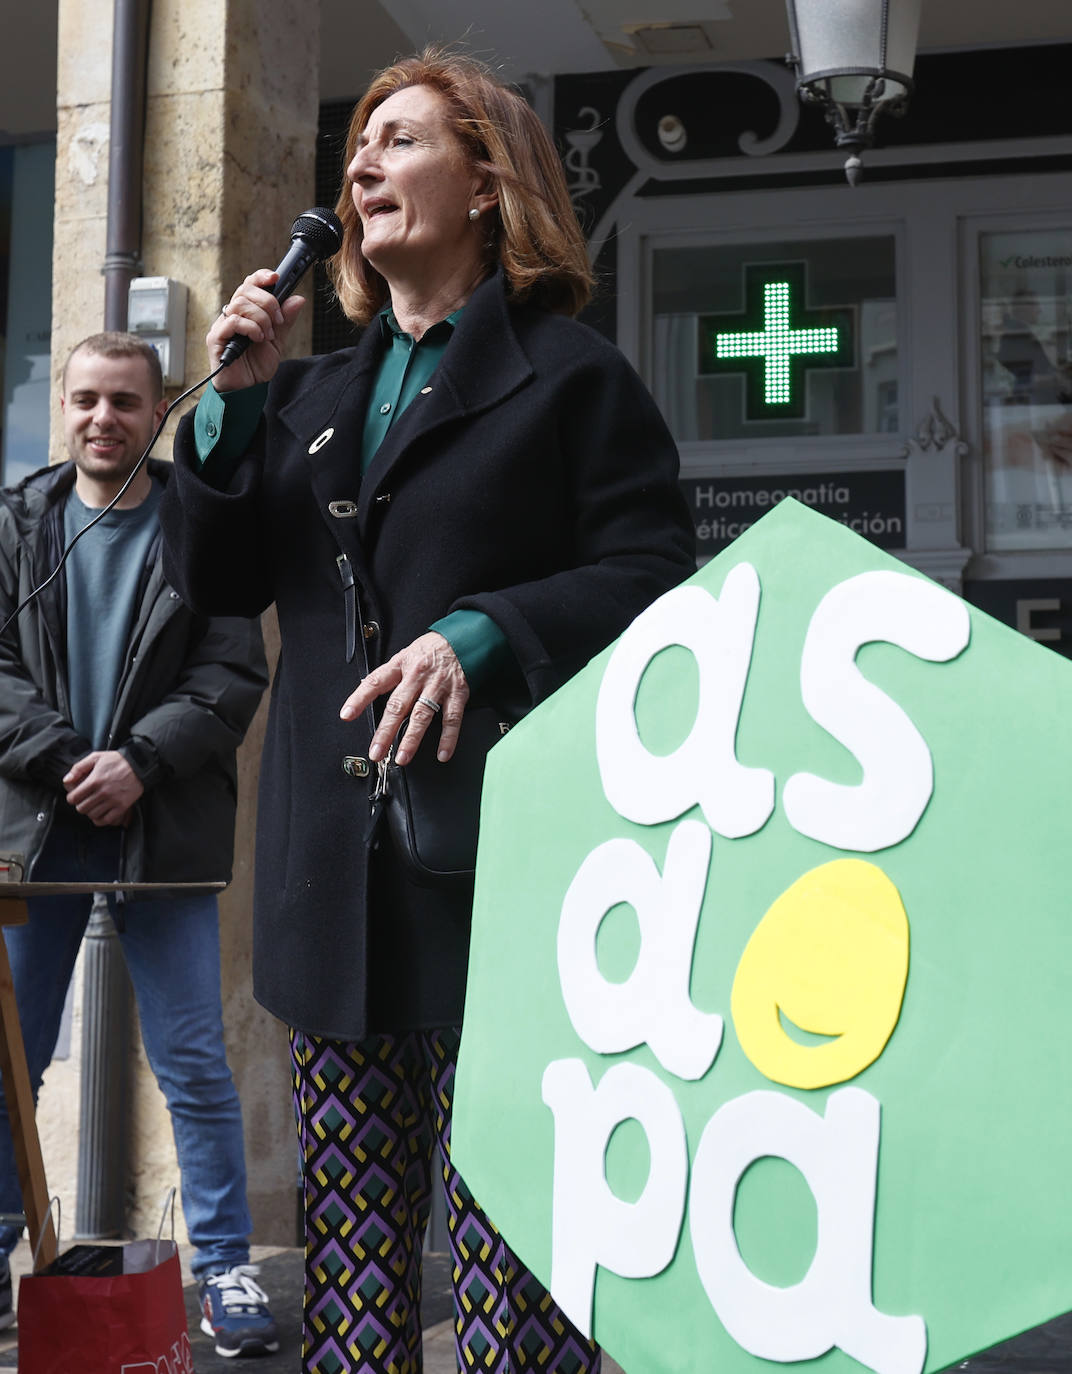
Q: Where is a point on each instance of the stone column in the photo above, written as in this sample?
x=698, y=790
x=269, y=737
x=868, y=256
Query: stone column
x=102, y=1136
x=229, y=163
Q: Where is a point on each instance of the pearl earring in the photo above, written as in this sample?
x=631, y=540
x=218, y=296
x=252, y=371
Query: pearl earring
x=474, y=213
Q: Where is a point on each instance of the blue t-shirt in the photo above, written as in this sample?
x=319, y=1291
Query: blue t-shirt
x=104, y=571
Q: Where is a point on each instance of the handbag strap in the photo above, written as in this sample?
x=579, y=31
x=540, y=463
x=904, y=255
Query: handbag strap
x=369, y=713
x=379, y=783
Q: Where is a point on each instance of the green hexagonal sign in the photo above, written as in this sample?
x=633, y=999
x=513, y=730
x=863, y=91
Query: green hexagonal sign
x=765, y=1049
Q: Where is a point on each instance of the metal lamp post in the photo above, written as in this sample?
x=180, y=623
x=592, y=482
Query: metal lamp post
x=855, y=59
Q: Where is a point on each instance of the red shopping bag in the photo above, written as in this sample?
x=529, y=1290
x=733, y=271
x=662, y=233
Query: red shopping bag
x=106, y=1309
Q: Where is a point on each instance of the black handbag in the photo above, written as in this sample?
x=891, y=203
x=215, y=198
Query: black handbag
x=432, y=809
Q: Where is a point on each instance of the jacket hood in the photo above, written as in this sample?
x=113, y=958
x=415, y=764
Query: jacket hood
x=36, y=494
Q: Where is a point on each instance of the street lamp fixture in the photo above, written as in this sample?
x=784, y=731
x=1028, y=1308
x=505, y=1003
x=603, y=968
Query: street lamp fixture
x=855, y=59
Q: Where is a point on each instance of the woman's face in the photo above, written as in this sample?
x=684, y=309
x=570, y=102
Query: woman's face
x=413, y=189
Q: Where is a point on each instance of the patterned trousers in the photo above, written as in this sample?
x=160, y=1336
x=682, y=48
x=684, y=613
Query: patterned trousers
x=371, y=1117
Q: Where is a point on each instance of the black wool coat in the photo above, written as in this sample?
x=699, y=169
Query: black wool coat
x=535, y=481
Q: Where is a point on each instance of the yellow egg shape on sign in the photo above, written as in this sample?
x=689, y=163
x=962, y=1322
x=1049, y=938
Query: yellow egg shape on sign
x=829, y=959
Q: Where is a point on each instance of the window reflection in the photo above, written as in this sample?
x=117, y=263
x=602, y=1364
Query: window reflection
x=1026, y=312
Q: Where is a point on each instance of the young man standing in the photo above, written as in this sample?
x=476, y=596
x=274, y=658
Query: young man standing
x=120, y=714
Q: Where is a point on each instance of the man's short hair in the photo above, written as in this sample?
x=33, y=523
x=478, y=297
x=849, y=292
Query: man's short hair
x=114, y=343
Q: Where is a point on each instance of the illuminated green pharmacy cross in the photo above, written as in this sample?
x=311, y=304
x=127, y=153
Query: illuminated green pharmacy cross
x=776, y=343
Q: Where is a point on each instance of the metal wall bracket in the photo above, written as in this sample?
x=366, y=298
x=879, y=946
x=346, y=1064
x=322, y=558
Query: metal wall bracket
x=936, y=430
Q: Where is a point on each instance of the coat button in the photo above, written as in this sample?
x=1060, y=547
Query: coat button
x=370, y=629
x=385, y=408
x=42, y=816
x=342, y=510
x=384, y=500
x=211, y=430
x=355, y=766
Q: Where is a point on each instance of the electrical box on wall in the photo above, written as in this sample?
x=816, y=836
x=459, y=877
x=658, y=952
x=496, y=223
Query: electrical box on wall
x=156, y=310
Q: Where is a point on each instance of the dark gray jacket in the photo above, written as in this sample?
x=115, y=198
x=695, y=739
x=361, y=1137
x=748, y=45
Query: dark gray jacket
x=187, y=693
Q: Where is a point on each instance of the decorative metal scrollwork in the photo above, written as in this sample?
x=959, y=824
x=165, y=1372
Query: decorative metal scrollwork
x=777, y=79
x=582, y=141
x=936, y=430
x=649, y=167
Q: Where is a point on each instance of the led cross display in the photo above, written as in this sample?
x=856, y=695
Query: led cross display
x=776, y=340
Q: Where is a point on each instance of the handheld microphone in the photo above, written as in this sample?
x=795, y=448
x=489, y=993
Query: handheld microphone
x=313, y=236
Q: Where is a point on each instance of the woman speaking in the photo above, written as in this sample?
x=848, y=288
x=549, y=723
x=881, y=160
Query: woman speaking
x=479, y=496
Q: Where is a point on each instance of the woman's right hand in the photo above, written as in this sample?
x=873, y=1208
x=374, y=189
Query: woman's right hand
x=254, y=313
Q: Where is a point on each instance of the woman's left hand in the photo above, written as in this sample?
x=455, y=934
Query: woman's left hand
x=429, y=669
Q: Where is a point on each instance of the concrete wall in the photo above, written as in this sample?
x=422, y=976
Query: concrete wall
x=229, y=162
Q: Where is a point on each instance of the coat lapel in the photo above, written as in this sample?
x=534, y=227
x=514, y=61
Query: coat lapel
x=327, y=421
x=482, y=365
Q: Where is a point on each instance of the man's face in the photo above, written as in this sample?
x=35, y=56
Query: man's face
x=109, y=414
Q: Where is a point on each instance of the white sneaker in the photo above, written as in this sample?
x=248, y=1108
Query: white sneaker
x=235, y=1311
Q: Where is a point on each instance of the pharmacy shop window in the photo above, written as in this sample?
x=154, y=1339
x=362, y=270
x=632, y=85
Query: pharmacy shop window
x=1025, y=311
x=791, y=339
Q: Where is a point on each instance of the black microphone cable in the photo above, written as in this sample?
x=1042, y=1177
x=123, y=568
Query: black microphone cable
x=117, y=497
x=315, y=235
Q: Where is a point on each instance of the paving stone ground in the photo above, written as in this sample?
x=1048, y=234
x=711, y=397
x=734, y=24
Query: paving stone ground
x=1045, y=1350
x=281, y=1277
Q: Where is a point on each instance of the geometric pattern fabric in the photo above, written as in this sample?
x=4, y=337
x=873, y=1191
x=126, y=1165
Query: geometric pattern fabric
x=371, y=1117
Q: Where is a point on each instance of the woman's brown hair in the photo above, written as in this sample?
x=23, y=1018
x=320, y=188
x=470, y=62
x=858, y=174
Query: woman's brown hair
x=534, y=236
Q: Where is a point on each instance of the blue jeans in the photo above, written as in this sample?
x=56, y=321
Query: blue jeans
x=172, y=951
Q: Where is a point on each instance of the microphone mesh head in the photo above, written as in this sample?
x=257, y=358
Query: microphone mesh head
x=321, y=229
